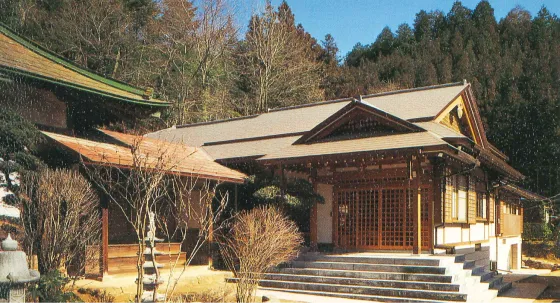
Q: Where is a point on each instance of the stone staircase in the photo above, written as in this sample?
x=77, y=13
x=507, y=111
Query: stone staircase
x=387, y=278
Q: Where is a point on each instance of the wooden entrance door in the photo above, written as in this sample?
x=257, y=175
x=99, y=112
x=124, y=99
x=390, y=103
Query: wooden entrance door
x=378, y=218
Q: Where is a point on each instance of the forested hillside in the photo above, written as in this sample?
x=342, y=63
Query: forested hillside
x=210, y=67
x=513, y=65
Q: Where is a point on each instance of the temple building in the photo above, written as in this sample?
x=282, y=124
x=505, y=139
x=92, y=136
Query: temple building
x=408, y=170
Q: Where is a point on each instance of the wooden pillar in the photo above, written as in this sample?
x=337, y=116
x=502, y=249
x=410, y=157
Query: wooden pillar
x=438, y=191
x=417, y=207
x=105, y=240
x=211, y=244
x=235, y=199
x=313, y=214
x=431, y=214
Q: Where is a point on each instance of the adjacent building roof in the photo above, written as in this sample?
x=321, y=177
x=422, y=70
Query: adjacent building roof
x=21, y=57
x=155, y=154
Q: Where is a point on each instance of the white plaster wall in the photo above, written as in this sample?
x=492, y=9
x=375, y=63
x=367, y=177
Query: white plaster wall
x=477, y=232
x=466, y=233
x=324, y=214
x=491, y=230
x=457, y=234
x=505, y=252
x=452, y=234
x=439, y=236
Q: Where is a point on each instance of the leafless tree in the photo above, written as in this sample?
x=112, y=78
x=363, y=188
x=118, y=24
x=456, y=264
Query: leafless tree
x=151, y=183
x=257, y=241
x=60, y=217
x=196, y=46
x=279, y=61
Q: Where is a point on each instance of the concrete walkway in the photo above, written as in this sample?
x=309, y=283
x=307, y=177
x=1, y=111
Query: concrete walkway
x=284, y=296
x=524, y=290
x=521, y=293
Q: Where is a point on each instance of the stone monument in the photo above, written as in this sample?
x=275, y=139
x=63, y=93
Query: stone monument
x=14, y=272
x=152, y=278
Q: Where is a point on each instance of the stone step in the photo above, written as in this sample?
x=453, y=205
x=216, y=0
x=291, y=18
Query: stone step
x=486, y=275
x=387, y=260
x=367, y=290
x=364, y=282
x=369, y=267
x=477, y=270
x=502, y=287
x=469, y=264
x=355, y=296
x=494, y=281
x=366, y=274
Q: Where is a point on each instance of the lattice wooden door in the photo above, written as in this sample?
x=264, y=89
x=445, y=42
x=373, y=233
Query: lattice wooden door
x=379, y=218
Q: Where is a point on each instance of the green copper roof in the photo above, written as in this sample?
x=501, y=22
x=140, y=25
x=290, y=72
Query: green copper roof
x=25, y=58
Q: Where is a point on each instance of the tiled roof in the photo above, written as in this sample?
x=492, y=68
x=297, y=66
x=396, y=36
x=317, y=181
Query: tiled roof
x=409, y=104
x=529, y=195
x=439, y=129
x=247, y=136
x=252, y=148
x=421, y=139
x=418, y=103
x=180, y=158
x=284, y=121
x=24, y=58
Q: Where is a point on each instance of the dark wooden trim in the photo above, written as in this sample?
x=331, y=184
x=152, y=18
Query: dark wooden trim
x=335, y=218
x=313, y=216
x=417, y=209
x=451, y=245
x=373, y=155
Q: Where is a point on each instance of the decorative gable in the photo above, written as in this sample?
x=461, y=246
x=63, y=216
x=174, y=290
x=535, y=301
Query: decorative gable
x=457, y=120
x=357, y=120
x=462, y=116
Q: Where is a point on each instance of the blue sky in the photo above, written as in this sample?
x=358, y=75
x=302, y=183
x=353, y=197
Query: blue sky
x=352, y=21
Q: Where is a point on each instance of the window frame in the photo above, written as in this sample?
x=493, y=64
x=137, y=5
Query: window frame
x=456, y=199
x=481, y=205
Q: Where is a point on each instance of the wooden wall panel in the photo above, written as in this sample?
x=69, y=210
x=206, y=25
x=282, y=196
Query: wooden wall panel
x=491, y=207
x=448, y=196
x=471, y=196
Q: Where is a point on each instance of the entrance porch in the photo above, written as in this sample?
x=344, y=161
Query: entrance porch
x=375, y=202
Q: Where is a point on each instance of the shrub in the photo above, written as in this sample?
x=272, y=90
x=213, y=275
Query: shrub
x=213, y=295
x=537, y=231
x=97, y=295
x=52, y=288
x=258, y=240
x=60, y=216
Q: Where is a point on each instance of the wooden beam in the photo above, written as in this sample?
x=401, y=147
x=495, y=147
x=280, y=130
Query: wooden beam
x=313, y=214
x=417, y=208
